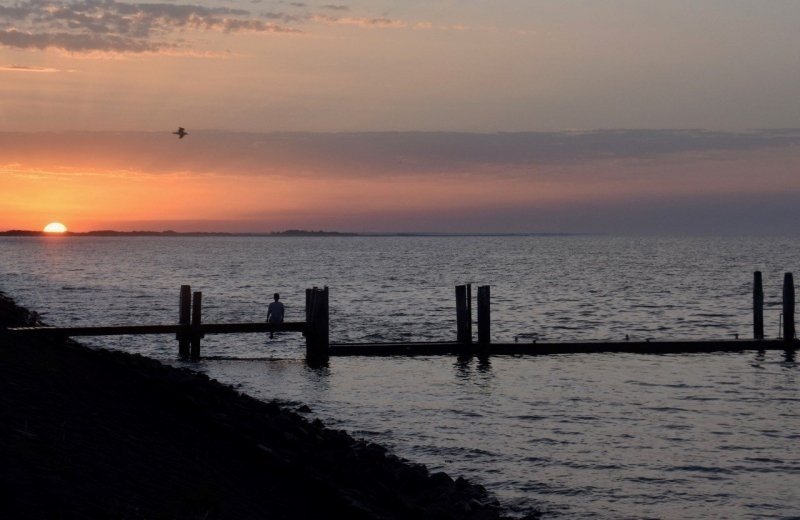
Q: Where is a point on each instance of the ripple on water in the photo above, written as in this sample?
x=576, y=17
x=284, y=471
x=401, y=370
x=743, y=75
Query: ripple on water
x=578, y=436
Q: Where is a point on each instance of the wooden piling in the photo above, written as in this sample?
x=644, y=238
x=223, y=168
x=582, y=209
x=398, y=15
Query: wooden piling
x=196, y=333
x=758, y=306
x=317, y=325
x=184, y=319
x=788, y=307
x=322, y=321
x=461, y=292
x=462, y=315
x=484, y=315
x=309, y=295
x=469, y=313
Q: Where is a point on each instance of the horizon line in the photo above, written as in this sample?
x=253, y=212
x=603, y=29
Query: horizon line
x=288, y=232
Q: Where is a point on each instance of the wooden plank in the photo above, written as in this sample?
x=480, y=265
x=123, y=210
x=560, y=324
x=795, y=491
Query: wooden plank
x=116, y=330
x=128, y=330
x=641, y=347
x=518, y=349
x=397, y=349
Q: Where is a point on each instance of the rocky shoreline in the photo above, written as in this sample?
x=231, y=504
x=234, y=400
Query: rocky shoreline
x=88, y=433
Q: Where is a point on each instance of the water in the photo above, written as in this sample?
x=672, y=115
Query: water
x=579, y=436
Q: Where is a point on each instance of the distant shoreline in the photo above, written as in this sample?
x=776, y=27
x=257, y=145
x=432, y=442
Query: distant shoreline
x=169, y=233
x=287, y=233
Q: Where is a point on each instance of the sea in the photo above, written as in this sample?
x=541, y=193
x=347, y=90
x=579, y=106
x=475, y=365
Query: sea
x=572, y=435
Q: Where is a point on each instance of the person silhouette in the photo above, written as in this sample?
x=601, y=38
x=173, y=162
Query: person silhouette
x=275, y=312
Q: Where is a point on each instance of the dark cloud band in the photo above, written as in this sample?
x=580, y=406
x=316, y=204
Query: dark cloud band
x=112, y=26
x=388, y=153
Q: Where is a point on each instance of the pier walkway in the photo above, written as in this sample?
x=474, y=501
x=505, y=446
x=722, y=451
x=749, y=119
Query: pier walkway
x=190, y=330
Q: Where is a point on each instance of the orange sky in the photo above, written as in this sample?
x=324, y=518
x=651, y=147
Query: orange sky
x=494, y=105
x=319, y=189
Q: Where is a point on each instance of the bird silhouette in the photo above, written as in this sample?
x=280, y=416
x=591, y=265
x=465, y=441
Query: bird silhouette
x=181, y=132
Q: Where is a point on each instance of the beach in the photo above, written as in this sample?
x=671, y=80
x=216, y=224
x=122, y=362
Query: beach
x=90, y=433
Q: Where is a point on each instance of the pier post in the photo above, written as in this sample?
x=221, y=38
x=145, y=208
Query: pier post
x=463, y=333
x=484, y=315
x=317, y=326
x=788, y=307
x=309, y=293
x=758, y=306
x=184, y=319
x=469, y=313
x=196, y=335
x=461, y=293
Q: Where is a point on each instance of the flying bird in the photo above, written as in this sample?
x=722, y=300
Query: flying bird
x=181, y=132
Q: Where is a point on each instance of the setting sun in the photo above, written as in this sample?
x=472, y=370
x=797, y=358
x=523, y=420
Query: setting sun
x=55, y=227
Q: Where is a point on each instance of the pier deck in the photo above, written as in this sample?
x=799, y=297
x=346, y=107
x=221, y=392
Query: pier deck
x=135, y=330
x=190, y=330
x=539, y=348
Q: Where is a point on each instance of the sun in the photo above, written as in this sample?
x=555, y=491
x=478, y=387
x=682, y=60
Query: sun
x=55, y=227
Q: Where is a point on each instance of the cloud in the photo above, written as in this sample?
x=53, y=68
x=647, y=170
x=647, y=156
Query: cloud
x=76, y=42
x=386, y=154
x=113, y=26
x=361, y=21
x=687, y=181
x=24, y=68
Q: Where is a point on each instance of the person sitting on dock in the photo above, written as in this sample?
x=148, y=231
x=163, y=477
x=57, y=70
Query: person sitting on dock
x=275, y=312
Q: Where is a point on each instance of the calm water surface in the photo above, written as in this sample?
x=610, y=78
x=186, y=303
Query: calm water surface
x=579, y=436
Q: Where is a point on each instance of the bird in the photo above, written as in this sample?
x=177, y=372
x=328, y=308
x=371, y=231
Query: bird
x=181, y=132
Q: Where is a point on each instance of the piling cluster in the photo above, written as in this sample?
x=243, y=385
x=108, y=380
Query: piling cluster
x=787, y=319
x=191, y=330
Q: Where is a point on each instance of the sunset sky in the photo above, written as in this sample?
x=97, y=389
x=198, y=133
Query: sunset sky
x=613, y=116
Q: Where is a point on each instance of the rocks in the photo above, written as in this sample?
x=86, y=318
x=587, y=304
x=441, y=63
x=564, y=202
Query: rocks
x=91, y=433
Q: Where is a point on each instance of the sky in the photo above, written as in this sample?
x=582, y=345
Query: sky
x=613, y=116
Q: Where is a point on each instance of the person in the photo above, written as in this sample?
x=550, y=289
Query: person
x=275, y=312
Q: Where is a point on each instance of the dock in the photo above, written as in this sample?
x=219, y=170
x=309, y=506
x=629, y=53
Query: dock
x=190, y=329
x=547, y=348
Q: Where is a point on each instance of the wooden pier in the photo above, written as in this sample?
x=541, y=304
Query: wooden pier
x=190, y=330
x=566, y=347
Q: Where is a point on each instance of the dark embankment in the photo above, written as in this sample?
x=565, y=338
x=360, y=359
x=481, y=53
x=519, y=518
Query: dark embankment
x=98, y=434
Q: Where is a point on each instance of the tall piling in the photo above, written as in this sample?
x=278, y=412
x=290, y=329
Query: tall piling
x=196, y=332
x=469, y=313
x=184, y=319
x=463, y=318
x=309, y=293
x=788, y=307
x=758, y=306
x=484, y=315
x=317, y=326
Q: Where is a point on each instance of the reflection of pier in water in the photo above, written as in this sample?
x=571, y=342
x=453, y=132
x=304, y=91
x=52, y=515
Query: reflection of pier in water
x=190, y=330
